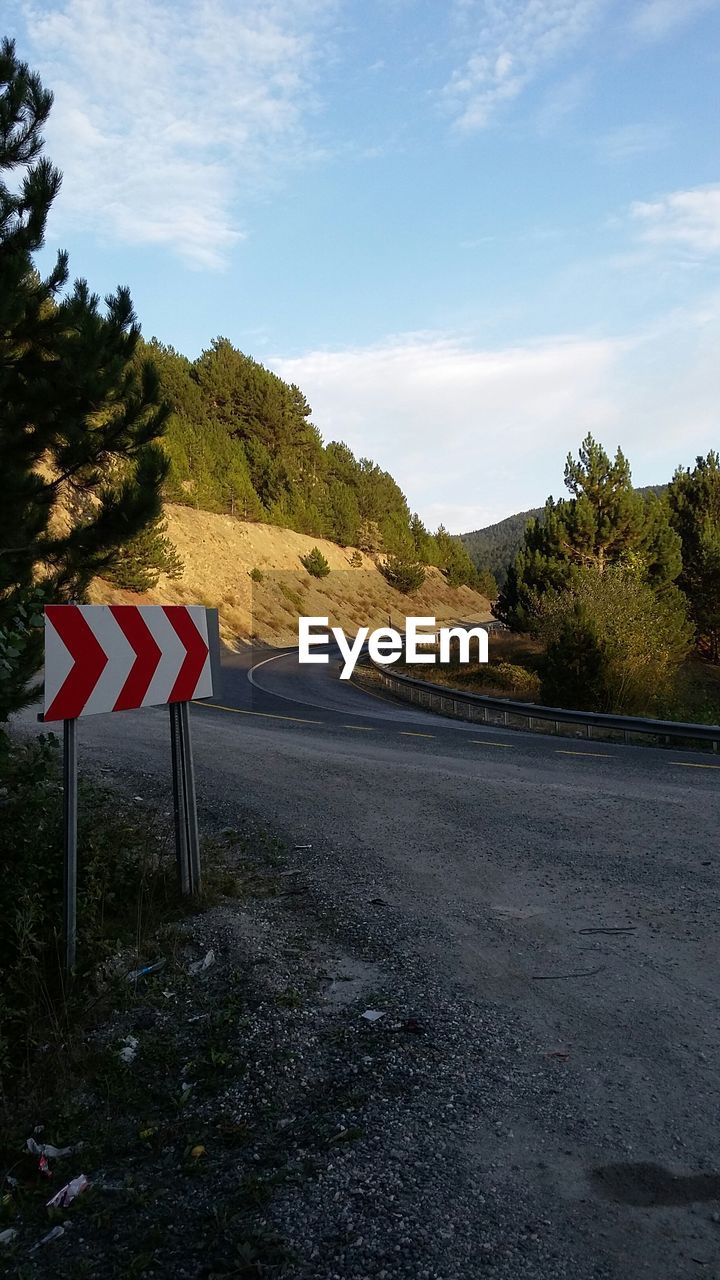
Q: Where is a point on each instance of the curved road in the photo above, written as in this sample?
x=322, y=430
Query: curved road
x=570, y=886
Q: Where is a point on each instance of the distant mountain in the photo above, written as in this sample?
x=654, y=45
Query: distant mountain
x=494, y=547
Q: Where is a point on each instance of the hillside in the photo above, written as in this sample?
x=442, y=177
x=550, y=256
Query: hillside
x=219, y=552
x=495, y=546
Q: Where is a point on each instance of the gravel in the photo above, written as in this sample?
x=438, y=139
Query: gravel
x=454, y=1137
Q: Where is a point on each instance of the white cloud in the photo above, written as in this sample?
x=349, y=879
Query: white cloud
x=511, y=42
x=165, y=112
x=655, y=19
x=469, y=434
x=686, y=219
x=472, y=434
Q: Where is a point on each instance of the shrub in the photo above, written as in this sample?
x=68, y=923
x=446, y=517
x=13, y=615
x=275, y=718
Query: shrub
x=292, y=597
x=614, y=643
x=257, y=575
x=356, y=560
x=315, y=563
x=404, y=575
x=516, y=679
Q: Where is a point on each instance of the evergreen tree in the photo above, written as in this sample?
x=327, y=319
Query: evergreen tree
x=426, y=549
x=694, y=498
x=606, y=522
x=315, y=563
x=79, y=421
x=403, y=573
x=453, y=559
x=141, y=560
x=573, y=666
x=344, y=513
x=486, y=584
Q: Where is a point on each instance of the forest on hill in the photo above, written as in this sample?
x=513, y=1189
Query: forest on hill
x=493, y=548
x=240, y=442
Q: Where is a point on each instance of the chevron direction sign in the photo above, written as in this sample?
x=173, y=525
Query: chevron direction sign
x=121, y=656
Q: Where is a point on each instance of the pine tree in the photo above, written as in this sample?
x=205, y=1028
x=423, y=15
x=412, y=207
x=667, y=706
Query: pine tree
x=453, y=559
x=605, y=522
x=486, y=584
x=315, y=563
x=403, y=573
x=694, y=498
x=79, y=422
x=141, y=560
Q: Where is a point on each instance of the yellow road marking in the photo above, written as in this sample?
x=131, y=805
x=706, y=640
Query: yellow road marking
x=482, y=742
x=690, y=764
x=407, y=733
x=596, y=755
x=362, y=728
x=265, y=715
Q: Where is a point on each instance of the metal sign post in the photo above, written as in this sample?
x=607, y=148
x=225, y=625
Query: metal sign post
x=70, y=842
x=187, y=840
x=191, y=820
x=179, y=805
x=102, y=658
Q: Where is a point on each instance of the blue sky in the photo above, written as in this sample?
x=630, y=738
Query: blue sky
x=471, y=230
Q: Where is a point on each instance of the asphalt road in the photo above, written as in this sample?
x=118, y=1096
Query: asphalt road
x=571, y=885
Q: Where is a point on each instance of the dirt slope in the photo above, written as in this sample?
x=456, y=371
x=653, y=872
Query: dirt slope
x=219, y=553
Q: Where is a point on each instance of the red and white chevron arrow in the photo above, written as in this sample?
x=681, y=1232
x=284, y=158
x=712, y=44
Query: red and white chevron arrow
x=116, y=657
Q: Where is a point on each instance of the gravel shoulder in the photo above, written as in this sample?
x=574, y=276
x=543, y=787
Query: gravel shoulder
x=502, y=1118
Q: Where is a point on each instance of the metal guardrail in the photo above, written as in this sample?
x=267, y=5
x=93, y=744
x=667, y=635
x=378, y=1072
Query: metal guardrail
x=449, y=701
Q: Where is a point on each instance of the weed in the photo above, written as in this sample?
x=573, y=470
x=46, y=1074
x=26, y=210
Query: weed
x=289, y=999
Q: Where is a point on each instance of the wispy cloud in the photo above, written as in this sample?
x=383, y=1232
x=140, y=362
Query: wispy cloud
x=631, y=140
x=165, y=113
x=656, y=19
x=685, y=219
x=511, y=42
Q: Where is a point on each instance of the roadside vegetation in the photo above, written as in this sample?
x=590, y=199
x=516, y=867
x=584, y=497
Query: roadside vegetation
x=618, y=592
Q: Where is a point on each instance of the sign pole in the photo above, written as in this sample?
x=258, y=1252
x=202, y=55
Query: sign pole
x=191, y=820
x=181, y=840
x=70, y=842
